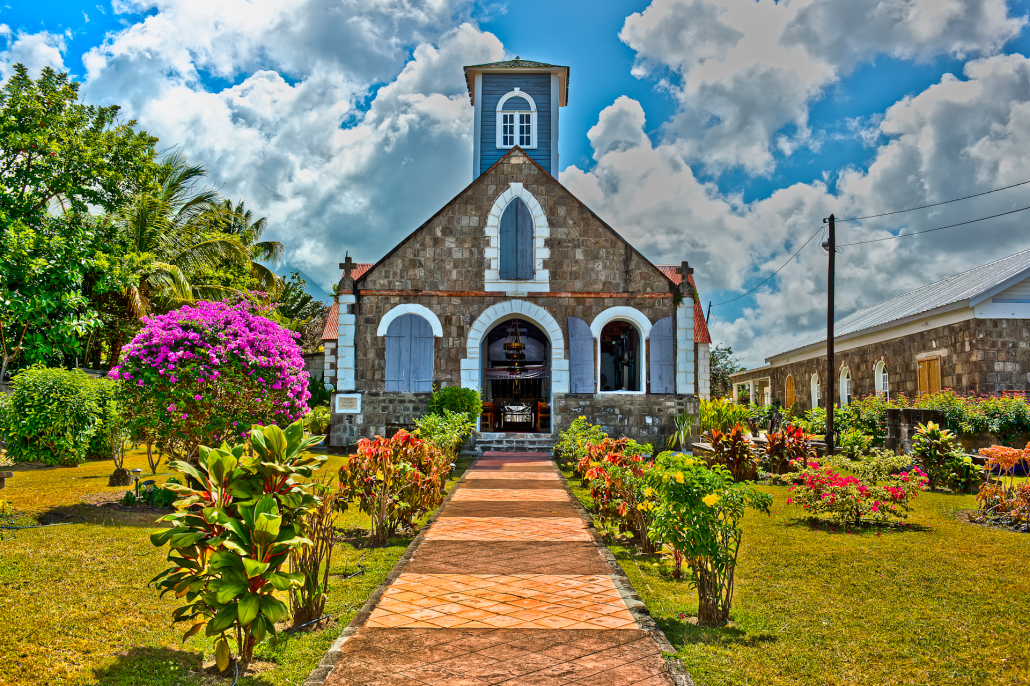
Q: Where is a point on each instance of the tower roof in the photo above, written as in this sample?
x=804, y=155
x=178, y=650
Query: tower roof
x=518, y=65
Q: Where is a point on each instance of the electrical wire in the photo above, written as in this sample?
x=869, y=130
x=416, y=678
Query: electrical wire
x=936, y=228
x=934, y=204
x=769, y=278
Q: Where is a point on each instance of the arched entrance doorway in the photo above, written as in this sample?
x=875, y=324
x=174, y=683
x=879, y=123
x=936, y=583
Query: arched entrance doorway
x=516, y=357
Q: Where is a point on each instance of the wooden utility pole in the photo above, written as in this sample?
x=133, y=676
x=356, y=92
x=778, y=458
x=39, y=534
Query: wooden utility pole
x=831, y=248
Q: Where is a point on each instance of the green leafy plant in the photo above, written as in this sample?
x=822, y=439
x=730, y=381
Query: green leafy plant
x=937, y=451
x=853, y=443
x=721, y=414
x=394, y=481
x=52, y=416
x=735, y=451
x=153, y=494
x=457, y=399
x=574, y=443
x=447, y=431
x=699, y=513
x=614, y=471
x=783, y=448
x=307, y=600
x=686, y=428
x=319, y=420
x=875, y=466
x=235, y=525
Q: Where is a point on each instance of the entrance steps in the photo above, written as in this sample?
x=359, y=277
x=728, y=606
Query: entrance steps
x=513, y=442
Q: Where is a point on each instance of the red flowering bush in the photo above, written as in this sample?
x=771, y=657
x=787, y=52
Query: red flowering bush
x=735, y=451
x=394, y=481
x=616, y=478
x=785, y=447
x=821, y=490
x=206, y=373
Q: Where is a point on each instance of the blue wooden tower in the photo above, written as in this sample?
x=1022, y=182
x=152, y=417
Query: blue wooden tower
x=516, y=104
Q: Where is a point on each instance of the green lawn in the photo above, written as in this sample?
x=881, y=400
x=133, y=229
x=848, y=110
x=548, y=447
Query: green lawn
x=75, y=607
x=942, y=602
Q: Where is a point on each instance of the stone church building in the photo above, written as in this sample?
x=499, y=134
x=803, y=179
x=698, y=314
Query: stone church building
x=516, y=289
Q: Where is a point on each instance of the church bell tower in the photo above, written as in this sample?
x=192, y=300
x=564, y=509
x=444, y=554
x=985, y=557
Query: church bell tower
x=516, y=105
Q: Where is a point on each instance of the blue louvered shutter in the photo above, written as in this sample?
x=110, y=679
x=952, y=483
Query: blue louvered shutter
x=410, y=351
x=581, y=357
x=517, y=242
x=663, y=358
x=422, y=354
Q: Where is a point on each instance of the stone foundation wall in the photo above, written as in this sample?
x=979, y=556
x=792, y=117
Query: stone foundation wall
x=381, y=414
x=645, y=418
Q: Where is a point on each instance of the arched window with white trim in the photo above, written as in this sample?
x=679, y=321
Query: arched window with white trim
x=516, y=120
x=881, y=379
x=845, y=386
x=621, y=333
x=815, y=390
x=516, y=237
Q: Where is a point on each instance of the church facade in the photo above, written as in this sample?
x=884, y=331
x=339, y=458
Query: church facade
x=516, y=289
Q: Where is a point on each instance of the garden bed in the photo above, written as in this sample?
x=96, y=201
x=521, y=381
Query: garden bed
x=77, y=608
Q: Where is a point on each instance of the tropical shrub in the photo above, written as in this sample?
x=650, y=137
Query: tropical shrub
x=51, y=416
x=813, y=421
x=783, y=448
x=937, y=451
x=821, y=490
x=208, y=372
x=394, y=481
x=235, y=525
x=573, y=443
x=735, y=451
x=615, y=475
x=457, y=399
x=698, y=513
x=875, y=466
x=447, y=431
x=319, y=420
x=153, y=495
x=312, y=562
x=721, y=414
x=686, y=428
x=854, y=444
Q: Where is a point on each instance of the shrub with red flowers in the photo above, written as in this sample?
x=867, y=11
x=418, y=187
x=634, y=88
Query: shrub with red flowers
x=821, y=490
x=735, y=451
x=206, y=373
x=785, y=447
x=615, y=475
x=394, y=481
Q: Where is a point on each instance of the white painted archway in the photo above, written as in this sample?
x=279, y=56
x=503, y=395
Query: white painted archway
x=472, y=365
x=541, y=280
x=639, y=320
x=410, y=308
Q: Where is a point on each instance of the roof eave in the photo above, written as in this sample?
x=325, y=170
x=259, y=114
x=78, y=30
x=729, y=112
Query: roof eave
x=562, y=71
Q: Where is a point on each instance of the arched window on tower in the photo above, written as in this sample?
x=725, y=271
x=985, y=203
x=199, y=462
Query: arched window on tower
x=516, y=120
x=517, y=255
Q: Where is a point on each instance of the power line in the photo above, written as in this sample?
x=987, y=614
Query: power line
x=934, y=204
x=778, y=270
x=936, y=228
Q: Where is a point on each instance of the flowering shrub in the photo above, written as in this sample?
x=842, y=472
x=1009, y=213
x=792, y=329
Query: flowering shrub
x=698, y=513
x=236, y=523
x=821, y=490
x=782, y=448
x=394, y=481
x=1005, y=501
x=615, y=473
x=734, y=450
x=207, y=373
x=572, y=443
x=875, y=466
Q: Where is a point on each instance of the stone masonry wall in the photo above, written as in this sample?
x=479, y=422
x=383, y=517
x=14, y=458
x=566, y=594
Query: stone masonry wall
x=978, y=356
x=381, y=414
x=645, y=418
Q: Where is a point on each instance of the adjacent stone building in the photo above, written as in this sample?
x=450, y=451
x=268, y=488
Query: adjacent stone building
x=518, y=290
x=969, y=332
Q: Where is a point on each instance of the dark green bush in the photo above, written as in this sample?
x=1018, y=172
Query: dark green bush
x=457, y=399
x=52, y=416
x=110, y=425
x=152, y=495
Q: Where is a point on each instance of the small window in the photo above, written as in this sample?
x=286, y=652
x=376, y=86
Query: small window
x=516, y=238
x=816, y=390
x=845, y=387
x=881, y=379
x=516, y=120
x=620, y=357
x=410, y=352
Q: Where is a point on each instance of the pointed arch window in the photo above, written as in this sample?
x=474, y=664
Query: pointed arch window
x=881, y=379
x=816, y=390
x=516, y=120
x=845, y=386
x=517, y=254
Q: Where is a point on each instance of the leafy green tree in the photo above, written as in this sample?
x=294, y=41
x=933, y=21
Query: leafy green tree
x=723, y=363
x=239, y=222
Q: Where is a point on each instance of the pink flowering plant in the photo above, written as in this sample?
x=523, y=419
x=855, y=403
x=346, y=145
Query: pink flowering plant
x=206, y=373
x=819, y=489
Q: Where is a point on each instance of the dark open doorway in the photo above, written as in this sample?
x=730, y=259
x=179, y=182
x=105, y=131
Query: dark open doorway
x=516, y=378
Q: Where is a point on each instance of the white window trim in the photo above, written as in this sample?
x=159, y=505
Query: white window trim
x=641, y=323
x=492, y=281
x=519, y=93
x=844, y=389
x=815, y=390
x=410, y=308
x=879, y=372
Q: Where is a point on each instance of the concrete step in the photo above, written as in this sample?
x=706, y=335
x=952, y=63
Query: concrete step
x=513, y=442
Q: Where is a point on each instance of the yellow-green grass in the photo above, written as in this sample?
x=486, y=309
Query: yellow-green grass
x=75, y=607
x=941, y=601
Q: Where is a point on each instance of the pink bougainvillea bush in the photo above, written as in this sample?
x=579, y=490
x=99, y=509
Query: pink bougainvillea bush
x=821, y=490
x=205, y=373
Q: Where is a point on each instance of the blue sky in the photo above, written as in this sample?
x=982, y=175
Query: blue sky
x=754, y=128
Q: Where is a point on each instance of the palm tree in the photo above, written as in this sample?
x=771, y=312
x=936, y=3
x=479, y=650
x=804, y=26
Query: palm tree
x=239, y=222
x=165, y=232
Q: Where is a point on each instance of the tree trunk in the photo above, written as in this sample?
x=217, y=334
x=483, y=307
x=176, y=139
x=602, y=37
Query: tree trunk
x=713, y=609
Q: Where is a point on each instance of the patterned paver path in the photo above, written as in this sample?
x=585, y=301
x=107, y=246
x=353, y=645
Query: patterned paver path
x=508, y=586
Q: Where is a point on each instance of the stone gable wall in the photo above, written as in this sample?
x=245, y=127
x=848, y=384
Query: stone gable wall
x=978, y=356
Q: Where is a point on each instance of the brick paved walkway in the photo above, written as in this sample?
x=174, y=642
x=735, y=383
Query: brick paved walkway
x=508, y=586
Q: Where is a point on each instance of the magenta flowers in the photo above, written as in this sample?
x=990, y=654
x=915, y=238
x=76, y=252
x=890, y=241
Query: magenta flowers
x=199, y=373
